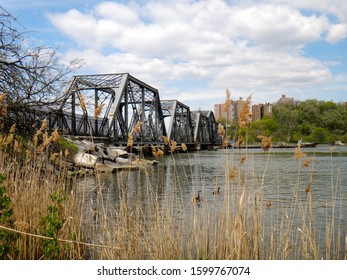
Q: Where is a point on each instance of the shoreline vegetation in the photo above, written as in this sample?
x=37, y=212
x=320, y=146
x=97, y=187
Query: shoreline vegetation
x=310, y=121
x=45, y=214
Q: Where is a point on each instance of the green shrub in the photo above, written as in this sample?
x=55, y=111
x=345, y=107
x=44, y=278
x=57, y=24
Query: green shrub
x=7, y=238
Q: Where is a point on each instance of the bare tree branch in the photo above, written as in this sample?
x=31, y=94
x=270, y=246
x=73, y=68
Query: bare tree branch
x=32, y=77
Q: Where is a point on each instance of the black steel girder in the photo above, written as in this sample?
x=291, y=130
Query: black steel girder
x=179, y=121
x=125, y=100
x=204, y=127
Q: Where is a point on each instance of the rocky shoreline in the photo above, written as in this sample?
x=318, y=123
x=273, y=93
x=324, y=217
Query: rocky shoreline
x=96, y=157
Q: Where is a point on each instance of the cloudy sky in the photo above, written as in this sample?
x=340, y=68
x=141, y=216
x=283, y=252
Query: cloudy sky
x=193, y=50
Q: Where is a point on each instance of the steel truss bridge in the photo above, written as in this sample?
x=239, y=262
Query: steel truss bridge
x=127, y=101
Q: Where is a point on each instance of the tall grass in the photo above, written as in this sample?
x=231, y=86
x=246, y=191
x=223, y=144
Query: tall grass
x=150, y=216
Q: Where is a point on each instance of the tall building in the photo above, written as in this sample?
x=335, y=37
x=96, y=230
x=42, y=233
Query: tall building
x=257, y=112
x=219, y=112
x=233, y=113
x=261, y=110
x=286, y=100
x=268, y=110
x=237, y=108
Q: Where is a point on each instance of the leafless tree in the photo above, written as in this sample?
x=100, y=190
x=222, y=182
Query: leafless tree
x=33, y=78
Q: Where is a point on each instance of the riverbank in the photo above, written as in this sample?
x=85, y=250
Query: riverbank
x=269, y=206
x=281, y=145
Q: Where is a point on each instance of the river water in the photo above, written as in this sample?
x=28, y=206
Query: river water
x=274, y=176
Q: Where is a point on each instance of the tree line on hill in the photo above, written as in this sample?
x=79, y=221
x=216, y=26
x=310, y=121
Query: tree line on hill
x=311, y=120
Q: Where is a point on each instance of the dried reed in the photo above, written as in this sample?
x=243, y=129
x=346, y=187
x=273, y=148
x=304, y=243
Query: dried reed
x=298, y=153
x=221, y=130
x=244, y=115
x=227, y=102
x=266, y=142
x=242, y=159
x=154, y=152
x=130, y=140
x=225, y=143
x=98, y=110
x=307, y=162
x=233, y=173
x=239, y=140
x=2, y=97
x=55, y=136
x=13, y=129
x=137, y=127
x=144, y=222
x=184, y=147
x=173, y=146
x=166, y=140
x=82, y=102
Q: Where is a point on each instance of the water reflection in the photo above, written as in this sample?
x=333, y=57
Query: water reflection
x=274, y=176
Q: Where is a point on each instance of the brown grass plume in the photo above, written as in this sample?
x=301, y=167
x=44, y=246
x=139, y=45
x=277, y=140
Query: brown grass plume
x=266, y=142
x=244, y=115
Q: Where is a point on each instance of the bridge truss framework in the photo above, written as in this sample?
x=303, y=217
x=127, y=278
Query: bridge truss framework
x=125, y=102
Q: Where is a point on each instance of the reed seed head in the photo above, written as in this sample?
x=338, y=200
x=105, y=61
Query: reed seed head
x=55, y=136
x=54, y=157
x=3, y=107
x=154, y=152
x=137, y=127
x=35, y=139
x=9, y=139
x=233, y=173
x=225, y=143
x=173, y=146
x=3, y=111
x=166, y=140
x=242, y=159
x=228, y=101
x=82, y=102
x=298, y=154
x=2, y=97
x=130, y=140
x=307, y=162
x=184, y=147
x=221, y=130
x=13, y=128
x=239, y=140
x=266, y=142
x=46, y=139
x=244, y=115
x=98, y=110
x=43, y=125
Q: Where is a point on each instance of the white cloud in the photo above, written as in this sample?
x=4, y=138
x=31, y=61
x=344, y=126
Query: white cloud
x=337, y=8
x=337, y=32
x=249, y=47
x=277, y=26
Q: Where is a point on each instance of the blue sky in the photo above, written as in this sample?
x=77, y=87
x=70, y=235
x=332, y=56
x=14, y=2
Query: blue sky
x=193, y=50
